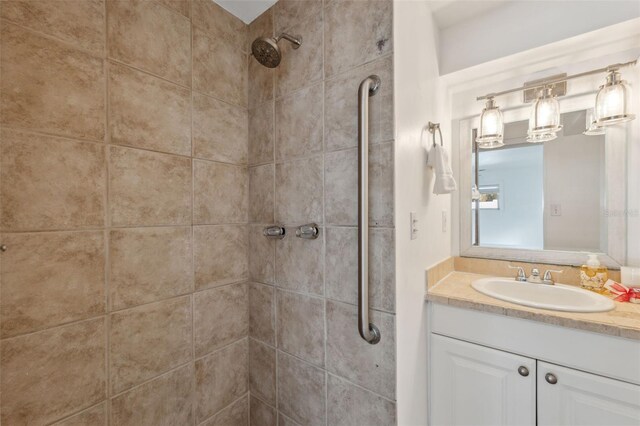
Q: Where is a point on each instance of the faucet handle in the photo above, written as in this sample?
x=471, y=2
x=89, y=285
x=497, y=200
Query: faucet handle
x=522, y=276
x=548, y=278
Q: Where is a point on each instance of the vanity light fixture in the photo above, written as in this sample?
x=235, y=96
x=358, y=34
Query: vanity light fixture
x=592, y=128
x=545, y=114
x=612, y=101
x=613, y=106
x=491, y=132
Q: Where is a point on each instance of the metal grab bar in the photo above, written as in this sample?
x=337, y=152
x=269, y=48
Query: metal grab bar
x=368, y=88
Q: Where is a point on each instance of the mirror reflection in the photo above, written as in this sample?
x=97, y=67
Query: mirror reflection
x=541, y=196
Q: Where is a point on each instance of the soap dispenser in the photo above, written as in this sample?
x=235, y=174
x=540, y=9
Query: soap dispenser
x=593, y=275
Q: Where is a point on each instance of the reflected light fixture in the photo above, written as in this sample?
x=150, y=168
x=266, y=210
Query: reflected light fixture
x=540, y=137
x=491, y=131
x=592, y=128
x=545, y=114
x=613, y=101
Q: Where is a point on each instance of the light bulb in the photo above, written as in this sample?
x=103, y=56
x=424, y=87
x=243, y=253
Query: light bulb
x=491, y=128
x=613, y=101
x=545, y=114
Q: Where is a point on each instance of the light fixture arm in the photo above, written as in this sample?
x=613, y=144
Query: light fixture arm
x=552, y=81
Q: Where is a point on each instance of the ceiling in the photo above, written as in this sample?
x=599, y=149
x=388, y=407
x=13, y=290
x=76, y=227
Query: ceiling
x=246, y=10
x=451, y=12
x=446, y=12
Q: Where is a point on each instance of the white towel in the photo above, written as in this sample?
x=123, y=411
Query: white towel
x=438, y=159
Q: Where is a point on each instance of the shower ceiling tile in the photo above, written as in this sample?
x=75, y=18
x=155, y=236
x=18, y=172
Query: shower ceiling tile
x=223, y=79
x=348, y=355
x=51, y=278
x=51, y=183
x=299, y=123
x=221, y=378
x=164, y=326
x=301, y=67
x=220, y=130
x=165, y=400
x=367, y=25
x=262, y=313
x=220, y=255
x=220, y=317
x=262, y=371
x=301, y=326
x=221, y=193
x=40, y=77
x=151, y=37
x=299, y=191
x=69, y=359
x=79, y=23
x=149, y=188
x=140, y=273
x=148, y=112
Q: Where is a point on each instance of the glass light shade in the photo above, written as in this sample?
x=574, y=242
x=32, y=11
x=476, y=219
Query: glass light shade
x=490, y=144
x=613, y=101
x=592, y=128
x=545, y=114
x=491, y=126
x=541, y=137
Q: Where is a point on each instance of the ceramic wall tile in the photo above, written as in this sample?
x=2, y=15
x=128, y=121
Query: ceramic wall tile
x=149, y=264
x=299, y=123
x=51, y=183
x=148, y=112
x=149, y=36
x=221, y=193
x=69, y=359
x=299, y=191
x=301, y=326
x=350, y=405
x=262, y=371
x=261, y=194
x=220, y=255
x=301, y=390
x=262, y=313
x=50, y=279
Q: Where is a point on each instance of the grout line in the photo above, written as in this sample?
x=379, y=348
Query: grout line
x=245, y=395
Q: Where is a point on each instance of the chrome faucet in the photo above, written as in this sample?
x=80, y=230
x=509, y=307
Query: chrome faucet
x=522, y=277
x=535, y=276
x=547, y=278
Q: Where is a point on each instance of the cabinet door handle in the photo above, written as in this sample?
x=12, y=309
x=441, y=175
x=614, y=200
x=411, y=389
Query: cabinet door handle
x=524, y=371
x=551, y=378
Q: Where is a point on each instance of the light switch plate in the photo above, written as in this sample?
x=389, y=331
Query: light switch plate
x=413, y=219
x=556, y=209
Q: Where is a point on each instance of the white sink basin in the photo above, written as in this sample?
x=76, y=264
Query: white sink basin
x=557, y=297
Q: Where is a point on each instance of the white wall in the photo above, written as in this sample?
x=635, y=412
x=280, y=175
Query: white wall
x=517, y=26
x=573, y=180
x=416, y=85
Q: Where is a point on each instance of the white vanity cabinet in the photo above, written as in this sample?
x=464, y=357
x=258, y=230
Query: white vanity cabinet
x=489, y=369
x=475, y=385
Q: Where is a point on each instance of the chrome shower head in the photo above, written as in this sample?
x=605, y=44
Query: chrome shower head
x=267, y=52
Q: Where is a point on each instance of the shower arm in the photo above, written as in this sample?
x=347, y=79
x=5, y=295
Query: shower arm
x=296, y=41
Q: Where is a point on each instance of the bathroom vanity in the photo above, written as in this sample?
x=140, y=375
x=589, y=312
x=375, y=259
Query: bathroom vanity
x=498, y=363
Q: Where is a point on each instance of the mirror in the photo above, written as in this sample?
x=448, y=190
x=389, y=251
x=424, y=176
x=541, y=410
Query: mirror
x=528, y=196
x=546, y=202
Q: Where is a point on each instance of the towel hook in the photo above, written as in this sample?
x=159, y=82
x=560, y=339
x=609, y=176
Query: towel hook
x=432, y=127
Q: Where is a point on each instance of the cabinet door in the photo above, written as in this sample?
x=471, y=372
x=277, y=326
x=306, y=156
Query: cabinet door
x=475, y=385
x=579, y=398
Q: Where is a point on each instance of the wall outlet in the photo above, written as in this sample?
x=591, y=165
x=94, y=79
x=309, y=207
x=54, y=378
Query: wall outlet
x=413, y=219
x=444, y=221
x=556, y=209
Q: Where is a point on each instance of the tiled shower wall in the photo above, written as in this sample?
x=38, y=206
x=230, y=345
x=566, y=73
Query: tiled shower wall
x=124, y=206
x=308, y=365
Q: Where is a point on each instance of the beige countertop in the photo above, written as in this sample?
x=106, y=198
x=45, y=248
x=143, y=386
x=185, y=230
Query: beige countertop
x=455, y=290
